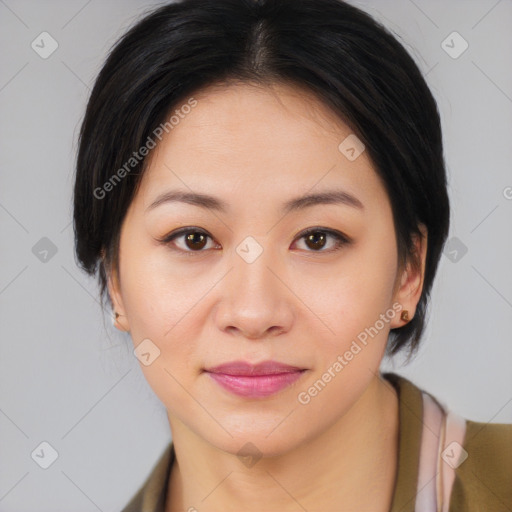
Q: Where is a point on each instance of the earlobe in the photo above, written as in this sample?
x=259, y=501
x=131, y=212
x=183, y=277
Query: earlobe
x=118, y=323
x=119, y=319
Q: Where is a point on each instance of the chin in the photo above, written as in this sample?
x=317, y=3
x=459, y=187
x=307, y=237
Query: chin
x=251, y=440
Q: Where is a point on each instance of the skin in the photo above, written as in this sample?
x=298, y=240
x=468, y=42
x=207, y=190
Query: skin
x=256, y=147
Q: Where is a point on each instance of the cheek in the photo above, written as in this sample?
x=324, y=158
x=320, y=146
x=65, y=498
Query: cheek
x=159, y=302
x=351, y=294
x=353, y=300
x=156, y=293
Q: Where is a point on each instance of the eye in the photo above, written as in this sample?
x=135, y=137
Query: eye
x=317, y=239
x=194, y=239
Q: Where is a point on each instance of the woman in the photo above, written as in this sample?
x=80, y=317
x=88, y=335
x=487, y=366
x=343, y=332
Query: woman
x=261, y=189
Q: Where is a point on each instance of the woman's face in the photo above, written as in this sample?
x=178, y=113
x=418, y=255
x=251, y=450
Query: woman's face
x=246, y=283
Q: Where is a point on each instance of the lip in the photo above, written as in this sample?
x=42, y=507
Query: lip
x=255, y=380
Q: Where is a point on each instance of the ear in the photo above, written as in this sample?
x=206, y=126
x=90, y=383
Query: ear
x=410, y=278
x=114, y=291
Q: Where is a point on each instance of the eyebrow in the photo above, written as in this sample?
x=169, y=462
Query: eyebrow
x=299, y=203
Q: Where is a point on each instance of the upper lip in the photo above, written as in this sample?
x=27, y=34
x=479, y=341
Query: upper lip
x=263, y=368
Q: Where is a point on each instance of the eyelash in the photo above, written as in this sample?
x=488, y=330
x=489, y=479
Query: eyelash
x=341, y=239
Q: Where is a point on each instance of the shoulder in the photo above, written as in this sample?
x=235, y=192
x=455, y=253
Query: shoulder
x=484, y=480
x=150, y=497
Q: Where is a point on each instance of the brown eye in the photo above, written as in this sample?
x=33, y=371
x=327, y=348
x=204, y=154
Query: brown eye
x=190, y=240
x=195, y=240
x=317, y=239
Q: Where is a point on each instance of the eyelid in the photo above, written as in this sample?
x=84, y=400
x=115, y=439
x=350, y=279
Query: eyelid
x=333, y=232
x=181, y=231
x=167, y=239
x=340, y=237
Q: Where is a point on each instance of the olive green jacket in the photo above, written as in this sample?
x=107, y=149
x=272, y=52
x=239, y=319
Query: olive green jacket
x=483, y=482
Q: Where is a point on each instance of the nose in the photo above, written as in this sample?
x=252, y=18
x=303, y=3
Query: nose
x=255, y=300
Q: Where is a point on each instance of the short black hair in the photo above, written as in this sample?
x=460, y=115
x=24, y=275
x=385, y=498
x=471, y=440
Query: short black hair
x=353, y=64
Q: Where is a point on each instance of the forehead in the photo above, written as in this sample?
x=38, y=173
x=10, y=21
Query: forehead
x=247, y=114
x=259, y=140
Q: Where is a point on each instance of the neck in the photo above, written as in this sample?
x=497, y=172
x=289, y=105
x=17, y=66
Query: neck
x=351, y=466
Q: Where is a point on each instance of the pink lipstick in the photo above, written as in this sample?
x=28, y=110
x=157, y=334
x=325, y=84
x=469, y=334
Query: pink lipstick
x=254, y=381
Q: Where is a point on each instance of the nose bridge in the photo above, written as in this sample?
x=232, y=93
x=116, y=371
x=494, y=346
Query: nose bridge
x=252, y=260
x=254, y=301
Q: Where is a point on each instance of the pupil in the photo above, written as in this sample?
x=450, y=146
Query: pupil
x=191, y=238
x=318, y=240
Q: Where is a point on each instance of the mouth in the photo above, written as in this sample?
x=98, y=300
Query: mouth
x=255, y=381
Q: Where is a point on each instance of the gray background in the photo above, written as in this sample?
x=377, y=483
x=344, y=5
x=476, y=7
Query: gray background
x=69, y=378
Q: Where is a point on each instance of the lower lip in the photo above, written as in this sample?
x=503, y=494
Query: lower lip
x=256, y=386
